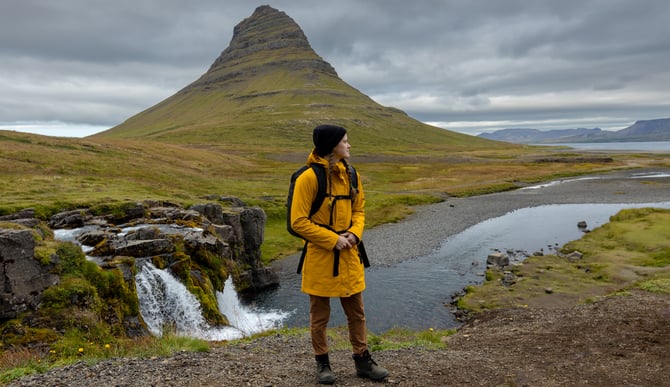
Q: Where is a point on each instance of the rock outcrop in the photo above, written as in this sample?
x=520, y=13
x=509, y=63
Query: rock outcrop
x=202, y=245
x=22, y=277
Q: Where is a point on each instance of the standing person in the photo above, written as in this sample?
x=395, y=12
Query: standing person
x=332, y=265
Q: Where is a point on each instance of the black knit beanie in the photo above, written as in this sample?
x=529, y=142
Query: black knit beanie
x=326, y=138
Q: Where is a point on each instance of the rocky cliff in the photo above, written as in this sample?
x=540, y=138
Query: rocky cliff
x=202, y=246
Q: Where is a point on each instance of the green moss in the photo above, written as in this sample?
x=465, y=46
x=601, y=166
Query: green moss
x=44, y=254
x=118, y=210
x=661, y=285
x=72, y=291
x=16, y=333
x=72, y=259
x=12, y=226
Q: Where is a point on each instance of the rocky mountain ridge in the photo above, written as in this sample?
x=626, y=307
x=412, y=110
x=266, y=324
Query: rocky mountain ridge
x=642, y=130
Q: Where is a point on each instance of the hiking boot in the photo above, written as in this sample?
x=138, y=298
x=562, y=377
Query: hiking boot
x=324, y=374
x=368, y=368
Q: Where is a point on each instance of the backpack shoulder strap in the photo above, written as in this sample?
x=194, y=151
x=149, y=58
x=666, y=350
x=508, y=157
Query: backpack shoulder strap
x=320, y=172
x=353, y=178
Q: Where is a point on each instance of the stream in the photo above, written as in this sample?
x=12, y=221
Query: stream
x=413, y=293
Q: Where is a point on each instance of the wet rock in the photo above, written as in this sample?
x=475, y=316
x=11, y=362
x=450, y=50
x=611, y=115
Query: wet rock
x=142, y=248
x=91, y=238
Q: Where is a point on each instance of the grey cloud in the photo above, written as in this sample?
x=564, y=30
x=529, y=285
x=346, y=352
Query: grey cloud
x=100, y=62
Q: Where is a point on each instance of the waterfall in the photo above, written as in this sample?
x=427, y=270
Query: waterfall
x=247, y=320
x=166, y=302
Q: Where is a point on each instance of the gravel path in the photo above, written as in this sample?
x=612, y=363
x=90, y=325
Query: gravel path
x=617, y=341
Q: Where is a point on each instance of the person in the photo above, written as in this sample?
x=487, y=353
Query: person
x=332, y=266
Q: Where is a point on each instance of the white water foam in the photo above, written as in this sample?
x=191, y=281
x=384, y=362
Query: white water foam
x=166, y=302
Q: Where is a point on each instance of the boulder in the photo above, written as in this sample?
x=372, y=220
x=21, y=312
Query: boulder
x=497, y=259
x=27, y=213
x=69, y=219
x=137, y=248
x=23, y=279
x=253, y=231
x=212, y=211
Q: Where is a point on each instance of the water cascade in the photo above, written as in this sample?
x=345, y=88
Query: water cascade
x=166, y=303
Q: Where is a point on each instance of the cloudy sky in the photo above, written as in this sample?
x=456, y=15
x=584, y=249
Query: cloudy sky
x=74, y=67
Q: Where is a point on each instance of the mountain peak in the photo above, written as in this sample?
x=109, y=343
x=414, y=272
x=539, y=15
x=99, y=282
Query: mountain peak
x=267, y=39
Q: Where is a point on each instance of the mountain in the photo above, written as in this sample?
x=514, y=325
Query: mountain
x=643, y=130
x=269, y=88
x=535, y=136
x=649, y=130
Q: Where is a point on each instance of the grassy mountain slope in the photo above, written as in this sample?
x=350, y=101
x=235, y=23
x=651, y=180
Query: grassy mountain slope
x=269, y=89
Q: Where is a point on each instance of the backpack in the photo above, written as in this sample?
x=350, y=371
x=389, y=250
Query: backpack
x=320, y=172
x=321, y=178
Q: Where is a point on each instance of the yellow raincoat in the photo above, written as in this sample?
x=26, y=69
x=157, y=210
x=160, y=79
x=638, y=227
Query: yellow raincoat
x=317, y=271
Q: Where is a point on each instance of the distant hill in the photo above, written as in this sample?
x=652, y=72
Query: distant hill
x=643, y=130
x=269, y=88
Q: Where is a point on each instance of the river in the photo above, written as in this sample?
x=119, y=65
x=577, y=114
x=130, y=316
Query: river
x=413, y=293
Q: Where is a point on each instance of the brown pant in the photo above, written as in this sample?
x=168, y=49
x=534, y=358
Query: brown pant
x=319, y=314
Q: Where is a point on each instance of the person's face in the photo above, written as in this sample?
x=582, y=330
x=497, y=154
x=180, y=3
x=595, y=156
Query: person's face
x=341, y=150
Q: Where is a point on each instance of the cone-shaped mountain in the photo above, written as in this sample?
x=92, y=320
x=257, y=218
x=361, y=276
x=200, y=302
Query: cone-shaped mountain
x=269, y=88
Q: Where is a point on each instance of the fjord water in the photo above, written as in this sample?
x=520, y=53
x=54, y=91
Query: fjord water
x=414, y=293
x=633, y=146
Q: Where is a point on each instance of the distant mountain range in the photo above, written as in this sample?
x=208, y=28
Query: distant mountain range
x=643, y=130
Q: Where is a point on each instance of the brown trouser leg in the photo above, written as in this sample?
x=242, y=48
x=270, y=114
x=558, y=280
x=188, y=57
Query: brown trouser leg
x=319, y=315
x=353, y=308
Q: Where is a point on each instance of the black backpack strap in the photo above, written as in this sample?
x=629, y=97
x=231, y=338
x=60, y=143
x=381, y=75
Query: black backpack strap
x=353, y=178
x=302, y=258
x=363, y=254
x=322, y=181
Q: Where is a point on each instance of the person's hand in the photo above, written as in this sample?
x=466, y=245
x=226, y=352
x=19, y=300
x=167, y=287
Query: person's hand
x=351, y=238
x=342, y=243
